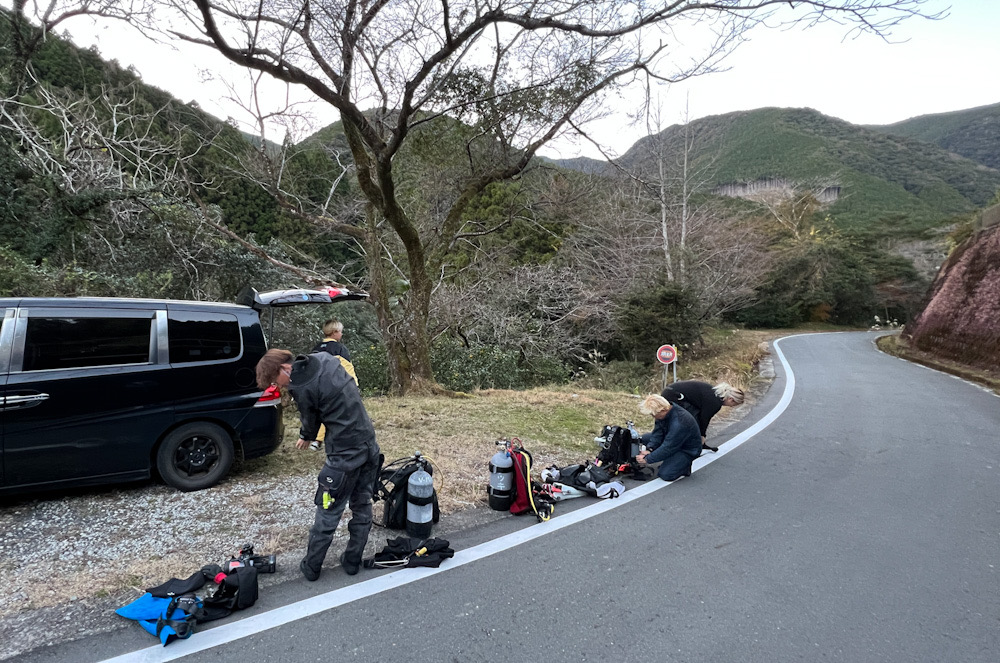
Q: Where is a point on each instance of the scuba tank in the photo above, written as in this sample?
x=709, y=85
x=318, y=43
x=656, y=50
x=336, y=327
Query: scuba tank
x=501, y=488
x=635, y=448
x=419, y=501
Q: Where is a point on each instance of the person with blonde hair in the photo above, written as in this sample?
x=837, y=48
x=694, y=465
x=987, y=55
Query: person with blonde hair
x=674, y=441
x=703, y=401
x=333, y=331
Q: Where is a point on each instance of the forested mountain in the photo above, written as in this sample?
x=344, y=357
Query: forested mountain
x=768, y=217
x=973, y=133
x=888, y=185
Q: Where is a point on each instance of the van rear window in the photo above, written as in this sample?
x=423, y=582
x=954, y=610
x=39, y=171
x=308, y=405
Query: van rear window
x=199, y=336
x=86, y=341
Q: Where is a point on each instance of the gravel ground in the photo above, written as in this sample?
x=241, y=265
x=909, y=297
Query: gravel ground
x=68, y=562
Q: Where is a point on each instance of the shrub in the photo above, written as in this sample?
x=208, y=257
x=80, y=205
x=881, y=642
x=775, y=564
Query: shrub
x=663, y=314
x=823, y=281
x=633, y=377
x=371, y=364
x=544, y=371
x=467, y=368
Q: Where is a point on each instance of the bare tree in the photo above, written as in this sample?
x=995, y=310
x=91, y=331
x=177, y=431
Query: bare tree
x=124, y=169
x=519, y=73
x=617, y=250
x=793, y=205
x=672, y=170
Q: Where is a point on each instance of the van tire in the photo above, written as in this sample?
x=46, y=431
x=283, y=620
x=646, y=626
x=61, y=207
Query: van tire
x=195, y=456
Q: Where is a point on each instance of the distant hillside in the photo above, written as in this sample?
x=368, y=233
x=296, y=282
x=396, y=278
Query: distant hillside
x=888, y=184
x=973, y=133
x=584, y=165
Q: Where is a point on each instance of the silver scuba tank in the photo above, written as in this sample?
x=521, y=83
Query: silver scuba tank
x=635, y=447
x=419, y=502
x=501, y=488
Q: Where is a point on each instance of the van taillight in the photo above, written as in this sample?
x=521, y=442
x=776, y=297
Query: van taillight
x=270, y=396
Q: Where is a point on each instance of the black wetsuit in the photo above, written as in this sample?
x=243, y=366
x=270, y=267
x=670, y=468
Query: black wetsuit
x=327, y=395
x=696, y=397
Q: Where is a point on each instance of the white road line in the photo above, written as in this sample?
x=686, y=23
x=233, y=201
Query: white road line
x=980, y=387
x=311, y=606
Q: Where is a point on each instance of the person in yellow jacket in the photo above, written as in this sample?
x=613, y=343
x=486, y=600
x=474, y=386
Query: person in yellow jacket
x=333, y=331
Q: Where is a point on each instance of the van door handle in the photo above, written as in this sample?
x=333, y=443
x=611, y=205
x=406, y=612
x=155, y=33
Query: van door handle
x=23, y=401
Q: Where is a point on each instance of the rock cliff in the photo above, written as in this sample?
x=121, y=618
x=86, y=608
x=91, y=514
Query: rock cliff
x=961, y=320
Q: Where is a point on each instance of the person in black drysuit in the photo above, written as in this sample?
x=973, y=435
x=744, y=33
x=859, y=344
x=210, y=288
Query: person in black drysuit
x=326, y=394
x=703, y=400
x=674, y=441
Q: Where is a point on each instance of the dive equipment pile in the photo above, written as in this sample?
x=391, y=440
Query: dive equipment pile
x=171, y=610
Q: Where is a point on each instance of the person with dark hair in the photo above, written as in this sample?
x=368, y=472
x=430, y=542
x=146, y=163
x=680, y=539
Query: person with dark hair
x=327, y=395
x=674, y=441
x=703, y=400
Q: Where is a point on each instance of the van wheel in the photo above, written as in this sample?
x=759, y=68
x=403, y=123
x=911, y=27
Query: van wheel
x=195, y=456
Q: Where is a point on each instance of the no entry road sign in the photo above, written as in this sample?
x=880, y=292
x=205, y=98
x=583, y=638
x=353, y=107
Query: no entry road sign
x=666, y=354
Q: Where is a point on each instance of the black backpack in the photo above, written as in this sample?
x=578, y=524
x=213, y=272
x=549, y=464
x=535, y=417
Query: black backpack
x=615, y=456
x=391, y=488
x=616, y=448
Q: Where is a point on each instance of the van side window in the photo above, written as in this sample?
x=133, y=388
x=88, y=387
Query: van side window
x=82, y=342
x=199, y=336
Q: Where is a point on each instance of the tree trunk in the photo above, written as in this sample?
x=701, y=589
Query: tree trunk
x=664, y=213
x=682, y=256
x=402, y=317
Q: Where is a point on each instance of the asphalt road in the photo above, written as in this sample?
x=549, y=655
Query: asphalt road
x=854, y=517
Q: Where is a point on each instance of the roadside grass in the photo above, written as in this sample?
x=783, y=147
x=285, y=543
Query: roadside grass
x=898, y=346
x=557, y=424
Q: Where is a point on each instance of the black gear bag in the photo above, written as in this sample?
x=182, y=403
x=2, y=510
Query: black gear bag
x=391, y=488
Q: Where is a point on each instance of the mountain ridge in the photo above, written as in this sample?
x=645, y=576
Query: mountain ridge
x=883, y=176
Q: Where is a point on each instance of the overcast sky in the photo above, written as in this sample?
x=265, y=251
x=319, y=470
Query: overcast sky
x=939, y=66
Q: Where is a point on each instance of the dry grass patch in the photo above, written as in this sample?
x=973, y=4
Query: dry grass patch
x=728, y=356
x=898, y=346
x=557, y=425
x=460, y=437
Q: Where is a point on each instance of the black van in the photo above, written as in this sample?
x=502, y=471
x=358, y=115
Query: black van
x=101, y=390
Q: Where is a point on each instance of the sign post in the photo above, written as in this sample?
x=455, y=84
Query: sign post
x=667, y=355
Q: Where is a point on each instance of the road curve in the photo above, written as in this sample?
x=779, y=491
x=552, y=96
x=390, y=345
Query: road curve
x=859, y=520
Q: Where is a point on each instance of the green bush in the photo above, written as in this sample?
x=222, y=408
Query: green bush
x=633, y=377
x=664, y=314
x=463, y=368
x=541, y=371
x=822, y=281
x=371, y=364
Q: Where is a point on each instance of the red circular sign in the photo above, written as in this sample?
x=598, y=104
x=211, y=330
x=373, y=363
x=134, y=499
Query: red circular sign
x=666, y=354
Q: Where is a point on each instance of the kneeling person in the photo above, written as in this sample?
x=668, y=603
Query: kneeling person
x=327, y=395
x=703, y=400
x=675, y=440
